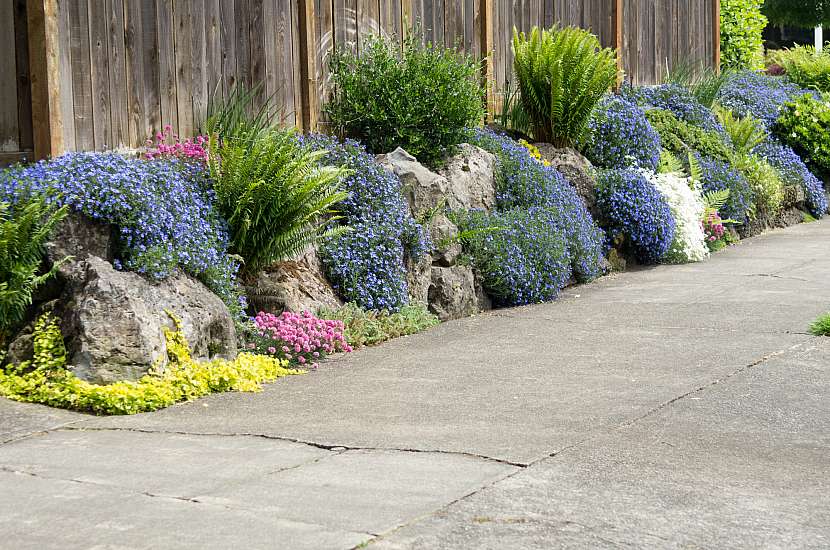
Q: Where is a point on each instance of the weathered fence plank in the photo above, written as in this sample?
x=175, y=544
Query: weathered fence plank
x=124, y=68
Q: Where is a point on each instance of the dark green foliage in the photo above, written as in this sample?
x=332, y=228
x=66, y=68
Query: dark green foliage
x=798, y=13
x=274, y=194
x=369, y=328
x=821, y=326
x=803, y=125
x=562, y=75
x=419, y=97
x=24, y=229
x=679, y=137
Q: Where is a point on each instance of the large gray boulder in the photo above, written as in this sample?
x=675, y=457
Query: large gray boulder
x=454, y=293
x=576, y=169
x=297, y=286
x=112, y=321
x=467, y=181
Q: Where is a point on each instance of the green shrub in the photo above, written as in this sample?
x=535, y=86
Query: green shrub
x=562, y=75
x=369, y=328
x=45, y=380
x=24, y=229
x=419, y=97
x=741, y=28
x=765, y=182
x=680, y=137
x=803, y=125
x=806, y=67
x=274, y=194
x=821, y=326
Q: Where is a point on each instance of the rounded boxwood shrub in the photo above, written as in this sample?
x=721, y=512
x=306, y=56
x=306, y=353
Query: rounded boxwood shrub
x=365, y=264
x=633, y=208
x=524, y=182
x=521, y=254
x=415, y=96
x=679, y=137
x=621, y=136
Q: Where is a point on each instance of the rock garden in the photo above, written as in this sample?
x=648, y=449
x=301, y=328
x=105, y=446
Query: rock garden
x=132, y=280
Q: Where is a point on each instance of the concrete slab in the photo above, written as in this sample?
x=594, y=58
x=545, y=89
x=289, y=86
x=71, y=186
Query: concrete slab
x=741, y=464
x=366, y=491
x=43, y=514
x=22, y=419
x=175, y=465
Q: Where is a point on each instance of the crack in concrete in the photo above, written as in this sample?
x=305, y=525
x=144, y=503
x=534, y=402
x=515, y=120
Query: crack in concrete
x=337, y=448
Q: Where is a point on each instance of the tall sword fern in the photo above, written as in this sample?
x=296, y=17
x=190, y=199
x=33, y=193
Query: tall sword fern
x=275, y=194
x=562, y=75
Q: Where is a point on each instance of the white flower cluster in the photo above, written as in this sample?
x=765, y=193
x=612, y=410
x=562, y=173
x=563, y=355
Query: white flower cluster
x=686, y=203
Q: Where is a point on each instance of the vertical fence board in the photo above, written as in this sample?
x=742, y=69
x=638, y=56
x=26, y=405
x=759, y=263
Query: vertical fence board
x=9, y=123
x=24, y=91
x=168, y=94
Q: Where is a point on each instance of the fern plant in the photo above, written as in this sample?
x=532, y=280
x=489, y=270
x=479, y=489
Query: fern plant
x=562, y=74
x=24, y=229
x=275, y=194
x=746, y=133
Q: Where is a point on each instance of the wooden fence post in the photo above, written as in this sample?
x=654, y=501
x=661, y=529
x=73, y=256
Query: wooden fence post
x=617, y=24
x=309, y=90
x=716, y=32
x=487, y=50
x=47, y=123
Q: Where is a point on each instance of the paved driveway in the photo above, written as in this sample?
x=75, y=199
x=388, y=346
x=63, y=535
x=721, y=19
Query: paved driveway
x=673, y=407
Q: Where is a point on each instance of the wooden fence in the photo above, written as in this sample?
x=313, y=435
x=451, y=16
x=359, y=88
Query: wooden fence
x=110, y=73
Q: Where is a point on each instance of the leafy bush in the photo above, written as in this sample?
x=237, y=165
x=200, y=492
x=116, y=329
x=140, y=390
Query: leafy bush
x=46, y=381
x=163, y=209
x=633, y=208
x=621, y=136
x=715, y=175
x=521, y=254
x=366, y=264
x=794, y=172
x=821, y=326
x=765, y=182
x=369, y=328
x=562, y=75
x=524, y=182
x=297, y=337
x=24, y=230
x=806, y=67
x=274, y=194
x=759, y=95
x=741, y=28
x=421, y=98
x=679, y=101
x=803, y=126
x=679, y=137
x=686, y=203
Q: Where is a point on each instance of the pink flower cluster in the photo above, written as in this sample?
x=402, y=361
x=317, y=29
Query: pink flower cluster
x=300, y=338
x=168, y=144
x=713, y=226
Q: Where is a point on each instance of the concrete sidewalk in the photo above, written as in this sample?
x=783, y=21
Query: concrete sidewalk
x=679, y=406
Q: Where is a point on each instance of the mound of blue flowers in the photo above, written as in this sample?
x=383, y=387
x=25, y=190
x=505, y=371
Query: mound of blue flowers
x=365, y=265
x=521, y=255
x=717, y=175
x=759, y=95
x=794, y=172
x=524, y=182
x=634, y=208
x=163, y=211
x=621, y=136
